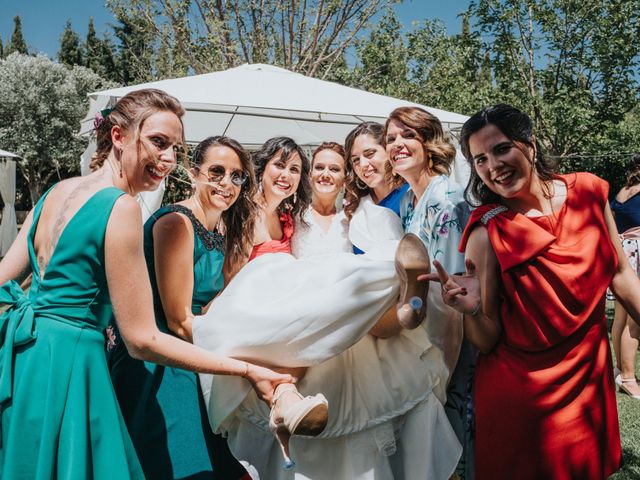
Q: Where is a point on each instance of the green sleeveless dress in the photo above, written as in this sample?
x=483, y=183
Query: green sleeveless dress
x=162, y=406
x=59, y=414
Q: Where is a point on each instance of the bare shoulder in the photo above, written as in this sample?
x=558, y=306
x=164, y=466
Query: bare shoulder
x=174, y=227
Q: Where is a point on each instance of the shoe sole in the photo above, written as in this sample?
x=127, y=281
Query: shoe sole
x=314, y=422
x=412, y=260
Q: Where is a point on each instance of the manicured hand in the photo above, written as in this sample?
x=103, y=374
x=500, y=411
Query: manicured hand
x=461, y=292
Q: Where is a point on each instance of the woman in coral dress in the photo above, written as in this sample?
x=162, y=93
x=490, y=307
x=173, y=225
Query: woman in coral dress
x=541, y=250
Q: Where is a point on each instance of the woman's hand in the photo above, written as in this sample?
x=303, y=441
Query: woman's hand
x=461, y=292
x=264, y=381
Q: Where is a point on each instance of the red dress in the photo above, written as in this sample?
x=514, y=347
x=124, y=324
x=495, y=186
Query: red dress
x=276, y=246
x=545, y=399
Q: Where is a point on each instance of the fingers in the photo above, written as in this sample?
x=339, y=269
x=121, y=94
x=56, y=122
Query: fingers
x=443, y=276
x=431, y=277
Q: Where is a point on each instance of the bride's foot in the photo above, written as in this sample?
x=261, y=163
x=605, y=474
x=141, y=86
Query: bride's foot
x=293, y=414
x=412, y=260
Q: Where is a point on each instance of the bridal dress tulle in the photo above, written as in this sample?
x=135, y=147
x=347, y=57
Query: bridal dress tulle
x=386, y=418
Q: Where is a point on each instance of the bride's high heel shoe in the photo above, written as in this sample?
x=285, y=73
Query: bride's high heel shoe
x=412, y=260
x=308, y=416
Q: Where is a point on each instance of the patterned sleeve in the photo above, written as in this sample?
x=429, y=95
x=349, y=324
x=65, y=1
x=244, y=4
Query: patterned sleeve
x=447, y=215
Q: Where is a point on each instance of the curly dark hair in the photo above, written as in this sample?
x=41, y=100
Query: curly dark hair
x=633, y=171
x=284, y=148
x=239, y=219
x=353, y=190
x=517, y=127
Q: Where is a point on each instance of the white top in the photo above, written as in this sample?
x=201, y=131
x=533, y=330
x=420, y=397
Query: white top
x=312, y=239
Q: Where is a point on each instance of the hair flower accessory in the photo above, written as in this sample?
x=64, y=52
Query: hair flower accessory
x=100, y=117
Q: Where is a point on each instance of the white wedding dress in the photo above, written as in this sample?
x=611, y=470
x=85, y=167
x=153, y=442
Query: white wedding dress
x=386, y=418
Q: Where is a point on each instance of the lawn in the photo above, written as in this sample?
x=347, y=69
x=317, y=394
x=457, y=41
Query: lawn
x=629, y=415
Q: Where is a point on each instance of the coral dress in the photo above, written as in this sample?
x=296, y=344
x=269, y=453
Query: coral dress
x=282, y=245
x=545, y=401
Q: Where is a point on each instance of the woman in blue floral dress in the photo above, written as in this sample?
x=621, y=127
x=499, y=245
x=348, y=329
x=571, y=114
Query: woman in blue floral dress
x=434, y=209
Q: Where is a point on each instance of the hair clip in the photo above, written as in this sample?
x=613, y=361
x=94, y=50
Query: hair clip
x=100, y=117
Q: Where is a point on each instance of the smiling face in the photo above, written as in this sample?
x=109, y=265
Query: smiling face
x=503, y=165
x=281, y=176
x=223, y=192
x=369, y=159
x=327, y=173
x=405, y=149
x=153, y=156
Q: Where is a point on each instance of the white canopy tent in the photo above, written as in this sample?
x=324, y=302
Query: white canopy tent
x=255, y=102
x=9, y=225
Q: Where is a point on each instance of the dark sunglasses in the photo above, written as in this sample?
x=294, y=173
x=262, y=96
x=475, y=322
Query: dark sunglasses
x=217, y=173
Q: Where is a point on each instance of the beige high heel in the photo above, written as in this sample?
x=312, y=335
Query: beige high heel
x=307, y=417
x=412, y=259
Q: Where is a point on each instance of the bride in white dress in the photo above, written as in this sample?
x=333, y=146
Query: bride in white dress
x=385, y=395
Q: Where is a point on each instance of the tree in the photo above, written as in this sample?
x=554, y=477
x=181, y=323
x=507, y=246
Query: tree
x=70, y=52
x=1, y=49
x=17, y=43
x=309, y=36
x=383, y=59
x=570, y=63
x=98, y=54
x=41, y=105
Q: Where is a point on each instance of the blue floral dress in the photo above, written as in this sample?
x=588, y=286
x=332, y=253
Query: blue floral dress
x=439, y=218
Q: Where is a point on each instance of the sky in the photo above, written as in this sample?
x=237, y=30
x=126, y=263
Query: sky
x=43, y=20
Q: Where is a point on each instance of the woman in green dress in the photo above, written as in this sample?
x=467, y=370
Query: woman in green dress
x=185, y=252
x=83, y=243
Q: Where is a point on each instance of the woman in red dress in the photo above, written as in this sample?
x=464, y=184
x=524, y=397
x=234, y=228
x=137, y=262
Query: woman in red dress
x=540, y=251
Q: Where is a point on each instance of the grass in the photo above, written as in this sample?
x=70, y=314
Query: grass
x=629, y=416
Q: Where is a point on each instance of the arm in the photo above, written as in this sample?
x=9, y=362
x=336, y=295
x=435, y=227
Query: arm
x=173, y=261
x=476, y=293
x=130, y=292
x=625, y=284
x=15, y=264
x=483, y=329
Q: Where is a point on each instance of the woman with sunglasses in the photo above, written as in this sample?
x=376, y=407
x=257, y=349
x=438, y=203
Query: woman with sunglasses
x=186, y=246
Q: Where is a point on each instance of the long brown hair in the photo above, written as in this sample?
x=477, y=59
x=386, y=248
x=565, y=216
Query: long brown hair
x=439, y=150
x=354, y=190
x=517, y=127
x=129, y=113
x=239, y=219
x=285, y=147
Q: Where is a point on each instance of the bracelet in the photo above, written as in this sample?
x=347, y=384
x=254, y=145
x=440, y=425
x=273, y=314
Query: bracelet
x=476, y=310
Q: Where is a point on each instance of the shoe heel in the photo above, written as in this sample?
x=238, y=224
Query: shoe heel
x=283, y=436
x=412, y=260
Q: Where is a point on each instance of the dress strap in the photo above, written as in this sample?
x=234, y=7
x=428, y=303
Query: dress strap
x=210, y=240
x=492, y=213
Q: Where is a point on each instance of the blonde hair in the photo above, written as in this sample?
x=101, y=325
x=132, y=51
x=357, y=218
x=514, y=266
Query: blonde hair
x=129, y=114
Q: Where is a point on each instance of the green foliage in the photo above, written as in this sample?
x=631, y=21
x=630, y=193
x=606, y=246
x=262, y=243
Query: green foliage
x=98, y=54
x=187, y=36
x=17, y=43
x=41, y=105
x=70, y=52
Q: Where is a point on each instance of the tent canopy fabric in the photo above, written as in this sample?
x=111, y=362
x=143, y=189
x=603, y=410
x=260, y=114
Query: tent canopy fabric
x=254, y=102
x=5, y=154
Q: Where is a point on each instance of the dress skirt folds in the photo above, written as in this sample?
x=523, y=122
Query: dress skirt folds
x=385, y=395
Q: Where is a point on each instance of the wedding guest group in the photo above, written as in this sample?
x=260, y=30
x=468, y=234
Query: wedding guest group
x=343, y=312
